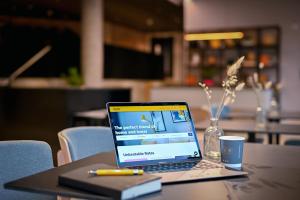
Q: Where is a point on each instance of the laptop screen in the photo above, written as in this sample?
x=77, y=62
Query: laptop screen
x=149, y=133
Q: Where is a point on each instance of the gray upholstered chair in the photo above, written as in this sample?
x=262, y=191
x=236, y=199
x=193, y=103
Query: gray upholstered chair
x=80, y=142
x=23, y=158
x=292, y=142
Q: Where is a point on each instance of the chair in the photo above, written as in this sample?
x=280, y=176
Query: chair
x=80, y=142
x=23, y=158
x=293, y=140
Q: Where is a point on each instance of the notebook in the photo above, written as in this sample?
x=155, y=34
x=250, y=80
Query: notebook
x=160, y=138
x=117, y=187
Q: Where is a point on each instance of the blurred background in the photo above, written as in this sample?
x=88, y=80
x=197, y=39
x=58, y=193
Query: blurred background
x=59, y=58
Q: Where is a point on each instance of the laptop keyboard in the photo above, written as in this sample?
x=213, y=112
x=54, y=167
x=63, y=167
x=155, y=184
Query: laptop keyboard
x=183, y=166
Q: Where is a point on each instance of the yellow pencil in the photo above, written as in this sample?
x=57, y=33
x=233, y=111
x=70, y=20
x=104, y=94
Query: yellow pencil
x=116, y=172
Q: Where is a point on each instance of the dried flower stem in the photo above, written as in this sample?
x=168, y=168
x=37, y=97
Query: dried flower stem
x=208, y=95
x=256, y=92
x=230, y=85
x=209, y=104
x=221, y=106
x=258, y=87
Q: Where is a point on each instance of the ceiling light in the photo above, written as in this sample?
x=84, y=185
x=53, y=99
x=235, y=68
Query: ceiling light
x=149, y=21
x=214, y=36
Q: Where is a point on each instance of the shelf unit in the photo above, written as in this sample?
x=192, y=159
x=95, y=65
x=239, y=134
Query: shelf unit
x=207, y=60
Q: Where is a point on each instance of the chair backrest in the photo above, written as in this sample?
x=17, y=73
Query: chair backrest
x=80, y=142
x=292, y=142
x=23, y=158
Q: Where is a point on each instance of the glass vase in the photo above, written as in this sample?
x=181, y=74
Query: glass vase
x=261, y=118
x=211, y=140
x=273, y=111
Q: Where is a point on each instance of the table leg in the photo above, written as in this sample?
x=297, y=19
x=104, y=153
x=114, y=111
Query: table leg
x=270, y=138
x=277, y=138
x=275, y=120
x=251, y=137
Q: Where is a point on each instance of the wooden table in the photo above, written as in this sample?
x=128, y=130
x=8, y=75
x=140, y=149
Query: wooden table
x=249, y=127
x=91, y=118
x=274, y=173
x=99, y=117
x=250, y=114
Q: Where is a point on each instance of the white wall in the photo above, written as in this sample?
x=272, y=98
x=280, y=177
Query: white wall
x=217, y=14
x=195, y=97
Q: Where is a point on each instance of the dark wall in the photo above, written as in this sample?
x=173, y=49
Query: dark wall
x=19, y=43
x=129, y=64
x=165, y=46
x=39, y=114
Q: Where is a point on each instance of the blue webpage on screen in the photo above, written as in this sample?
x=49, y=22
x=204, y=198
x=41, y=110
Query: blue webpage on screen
x=153, y=133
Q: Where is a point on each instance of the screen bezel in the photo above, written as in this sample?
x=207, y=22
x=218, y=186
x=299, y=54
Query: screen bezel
x=152, y=162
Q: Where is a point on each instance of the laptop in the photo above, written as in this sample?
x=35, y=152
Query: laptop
x=160, y=138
